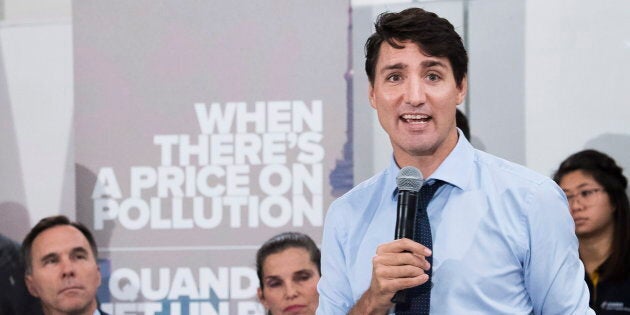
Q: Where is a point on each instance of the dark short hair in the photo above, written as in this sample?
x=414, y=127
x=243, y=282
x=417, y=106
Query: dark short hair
x=462, y=123
x=436, y=36
x=45, y=224
x=607, y=173
x=284, y=241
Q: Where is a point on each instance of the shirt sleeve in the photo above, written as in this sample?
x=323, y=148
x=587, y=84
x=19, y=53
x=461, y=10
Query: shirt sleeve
x=335, y=292
x=554, y=274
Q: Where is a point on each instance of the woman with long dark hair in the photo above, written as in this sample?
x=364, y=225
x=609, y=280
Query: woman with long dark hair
x=596, y=191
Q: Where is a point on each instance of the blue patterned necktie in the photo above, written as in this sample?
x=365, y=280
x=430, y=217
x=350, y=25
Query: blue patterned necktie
x=419, y=298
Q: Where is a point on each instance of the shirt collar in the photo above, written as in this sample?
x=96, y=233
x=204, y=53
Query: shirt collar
x=390, y=178
x=456, y=169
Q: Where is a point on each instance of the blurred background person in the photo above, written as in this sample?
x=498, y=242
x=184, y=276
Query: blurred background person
x=596, y=191
x=14, y=298
x=288, y=267
x=462, y=123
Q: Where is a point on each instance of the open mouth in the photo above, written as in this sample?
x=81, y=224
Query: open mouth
x=416, y=118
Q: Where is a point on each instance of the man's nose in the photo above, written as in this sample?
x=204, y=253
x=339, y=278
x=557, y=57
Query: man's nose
x=67, y=268
x=414, y=91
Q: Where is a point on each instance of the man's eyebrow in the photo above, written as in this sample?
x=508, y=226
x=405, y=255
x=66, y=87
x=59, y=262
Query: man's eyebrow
x=432, y=63
x=424, y=64
x=272, y=277
x=396, y=66
x=79, y=250
x=48, y=256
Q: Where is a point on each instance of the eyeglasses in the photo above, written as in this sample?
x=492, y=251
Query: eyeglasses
x=584, y=195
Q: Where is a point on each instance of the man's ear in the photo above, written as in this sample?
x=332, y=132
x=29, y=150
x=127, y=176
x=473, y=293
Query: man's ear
x=371, y=95
x=462, y=90
x=28, y=280
x=261, y=298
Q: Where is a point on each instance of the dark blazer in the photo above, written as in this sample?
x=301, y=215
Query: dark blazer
x=14, y=297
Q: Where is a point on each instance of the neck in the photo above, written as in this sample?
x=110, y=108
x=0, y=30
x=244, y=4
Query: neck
x=595, y=249
x=427, y=165
x=428, y=162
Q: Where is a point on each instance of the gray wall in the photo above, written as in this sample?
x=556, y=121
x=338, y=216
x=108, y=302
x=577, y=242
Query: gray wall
x=547, y=78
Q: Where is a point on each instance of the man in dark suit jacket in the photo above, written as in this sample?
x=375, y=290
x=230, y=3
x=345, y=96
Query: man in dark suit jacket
x=60, y=260
x=14, y=298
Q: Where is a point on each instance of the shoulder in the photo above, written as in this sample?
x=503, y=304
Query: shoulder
x=513, y=177
x=360, y=194
x=9, y=253
x=8, y=245
x=519, y=186
x=515, y=173
x=360, y=204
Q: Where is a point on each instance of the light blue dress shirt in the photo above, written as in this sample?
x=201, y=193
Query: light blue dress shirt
x=503, y=240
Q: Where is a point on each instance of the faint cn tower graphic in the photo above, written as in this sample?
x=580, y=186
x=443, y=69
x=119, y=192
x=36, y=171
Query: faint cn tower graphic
x=342, y=177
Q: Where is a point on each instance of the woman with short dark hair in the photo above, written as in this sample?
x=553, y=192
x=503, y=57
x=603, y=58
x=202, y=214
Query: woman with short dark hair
x=288, y=268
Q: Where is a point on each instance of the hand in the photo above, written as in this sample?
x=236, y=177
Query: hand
x=398, y=265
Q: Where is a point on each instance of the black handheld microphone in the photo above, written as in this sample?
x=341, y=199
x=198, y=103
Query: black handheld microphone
x=409, y=181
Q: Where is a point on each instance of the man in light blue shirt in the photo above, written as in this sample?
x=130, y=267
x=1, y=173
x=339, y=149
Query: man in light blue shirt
x=503, y=239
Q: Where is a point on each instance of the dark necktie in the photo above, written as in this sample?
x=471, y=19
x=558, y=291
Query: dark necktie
x=419, y=298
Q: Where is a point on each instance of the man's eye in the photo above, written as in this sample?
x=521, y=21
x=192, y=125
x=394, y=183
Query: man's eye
x=394, y=77
x=433, y=77
x=273, y=284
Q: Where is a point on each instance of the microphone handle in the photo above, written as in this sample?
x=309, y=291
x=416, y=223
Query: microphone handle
x=406, y=214
x=405, y=226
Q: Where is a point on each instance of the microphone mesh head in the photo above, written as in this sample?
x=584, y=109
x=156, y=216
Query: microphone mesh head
x=409, y=178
